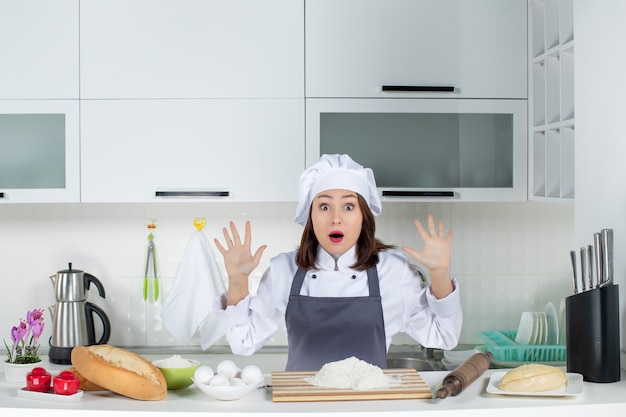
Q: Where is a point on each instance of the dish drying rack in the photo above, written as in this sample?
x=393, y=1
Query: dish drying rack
x=502, y=346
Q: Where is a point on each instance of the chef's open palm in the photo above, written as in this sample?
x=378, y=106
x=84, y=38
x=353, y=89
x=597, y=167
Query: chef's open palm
x=238, y=258
x=436, y=252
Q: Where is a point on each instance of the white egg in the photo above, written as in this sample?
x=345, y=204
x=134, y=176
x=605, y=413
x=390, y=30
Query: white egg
x=237, y=382
x=219, y=381
x=250, y=374
x=203, y=374
x=227, y=368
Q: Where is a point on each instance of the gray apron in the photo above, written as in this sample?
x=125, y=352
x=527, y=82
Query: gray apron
x=328, y=329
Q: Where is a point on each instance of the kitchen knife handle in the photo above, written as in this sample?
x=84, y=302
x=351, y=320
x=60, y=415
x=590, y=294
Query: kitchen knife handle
x=420, y=88
x=590, y=264
x=404, y=193
x=192, y=194
x=583, y=268
x=572, y=255
x=607, y=245
x=597, y=247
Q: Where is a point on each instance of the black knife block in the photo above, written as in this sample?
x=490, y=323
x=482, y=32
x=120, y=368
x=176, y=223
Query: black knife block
x=592, y=334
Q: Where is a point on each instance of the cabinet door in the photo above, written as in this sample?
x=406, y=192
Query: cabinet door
x=355, y=47
x=192, y=49
x=430, y=149
x=214, y=150
x=39, y=151
x=39, y=49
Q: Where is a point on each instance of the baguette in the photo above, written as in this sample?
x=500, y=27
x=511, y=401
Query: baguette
x=121, y=371
x=85, y=384
x=533, y=377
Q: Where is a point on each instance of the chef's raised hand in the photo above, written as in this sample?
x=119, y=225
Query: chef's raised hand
x=435, y=256
x=238, y=260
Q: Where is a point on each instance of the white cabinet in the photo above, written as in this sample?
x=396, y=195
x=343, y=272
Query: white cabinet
x=39, y=151
x=39, y=49
x=355, y=47
x=551, y=100
x=191, y=49
x=232, y=149
x=427, y=149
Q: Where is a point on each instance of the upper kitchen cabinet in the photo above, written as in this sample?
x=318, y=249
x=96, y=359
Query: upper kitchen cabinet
x=551, y=100
x=39, y=49
x=416, y=48
x=39, y=151
x=218, y=150
x=191, y=49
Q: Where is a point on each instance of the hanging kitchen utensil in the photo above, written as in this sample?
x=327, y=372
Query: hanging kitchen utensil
x=151, y=259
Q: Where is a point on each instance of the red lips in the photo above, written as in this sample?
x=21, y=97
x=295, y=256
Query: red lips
x=335, y=236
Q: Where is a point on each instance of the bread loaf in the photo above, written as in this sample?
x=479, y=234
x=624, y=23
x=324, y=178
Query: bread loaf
x=121, y=371
x=533, y=377
x=85, y=384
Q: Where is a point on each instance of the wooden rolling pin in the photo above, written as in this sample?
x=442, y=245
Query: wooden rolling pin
x=457, y=380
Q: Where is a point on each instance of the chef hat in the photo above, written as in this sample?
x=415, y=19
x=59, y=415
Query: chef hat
x=336, y=172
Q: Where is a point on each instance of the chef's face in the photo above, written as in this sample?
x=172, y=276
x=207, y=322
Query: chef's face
x=337, y=220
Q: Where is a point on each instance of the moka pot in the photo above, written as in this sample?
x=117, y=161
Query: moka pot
x=72, y=315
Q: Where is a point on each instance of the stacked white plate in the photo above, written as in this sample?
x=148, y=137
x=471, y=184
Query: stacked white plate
x=453, y=358
x=538, y=327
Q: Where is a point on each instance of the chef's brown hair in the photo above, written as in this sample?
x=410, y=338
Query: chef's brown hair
x=367, y=246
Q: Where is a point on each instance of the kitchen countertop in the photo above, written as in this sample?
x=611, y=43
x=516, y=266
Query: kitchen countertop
x=609, y=399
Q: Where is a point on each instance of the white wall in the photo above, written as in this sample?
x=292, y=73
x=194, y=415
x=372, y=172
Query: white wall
x=600, y=88
x=509, y=257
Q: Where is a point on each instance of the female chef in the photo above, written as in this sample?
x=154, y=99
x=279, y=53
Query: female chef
x=343, y=292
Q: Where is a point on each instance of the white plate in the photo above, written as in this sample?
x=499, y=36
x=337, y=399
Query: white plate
x=228, y=393
x=574, y=387
x=535, y=340
x=525, y=328
x=459, y=356
x=49, y=396
x=449, y=364
x=544, y=327
x=553, y=325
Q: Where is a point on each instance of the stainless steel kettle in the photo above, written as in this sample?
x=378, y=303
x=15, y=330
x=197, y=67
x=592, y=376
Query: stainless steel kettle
x=72, y=315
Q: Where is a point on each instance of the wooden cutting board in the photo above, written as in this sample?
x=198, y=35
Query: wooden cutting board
x=292, y=386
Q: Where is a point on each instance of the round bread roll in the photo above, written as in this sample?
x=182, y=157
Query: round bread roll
x=121, y=371
x=533, y=377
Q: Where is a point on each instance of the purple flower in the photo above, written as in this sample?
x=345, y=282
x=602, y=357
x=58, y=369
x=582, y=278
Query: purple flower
x=18, y=332
x=35, y=323
x=24, y=337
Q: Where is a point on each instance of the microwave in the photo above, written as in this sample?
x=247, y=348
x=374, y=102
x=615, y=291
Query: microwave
x=427, y=149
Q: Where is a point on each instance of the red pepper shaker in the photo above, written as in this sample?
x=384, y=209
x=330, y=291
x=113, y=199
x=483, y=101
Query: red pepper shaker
x=38, y=380
x=66, y=383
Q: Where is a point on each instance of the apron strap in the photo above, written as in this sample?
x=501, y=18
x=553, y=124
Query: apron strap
x=372, y=281
x=296, y=284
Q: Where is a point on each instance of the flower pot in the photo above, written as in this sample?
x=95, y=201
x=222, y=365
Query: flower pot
x=15, y=373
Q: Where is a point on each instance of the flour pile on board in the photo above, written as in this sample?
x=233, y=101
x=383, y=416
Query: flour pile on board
x=350, y=373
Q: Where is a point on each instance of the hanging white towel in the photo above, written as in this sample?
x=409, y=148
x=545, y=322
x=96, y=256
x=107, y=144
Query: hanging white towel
x=188, y=305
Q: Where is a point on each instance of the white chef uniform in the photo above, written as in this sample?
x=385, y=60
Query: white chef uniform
x=408, y=304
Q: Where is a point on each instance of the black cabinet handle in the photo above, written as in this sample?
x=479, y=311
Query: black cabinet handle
x=420, y=88
x=398, y=193
x=1, y=195
x=192, y=194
